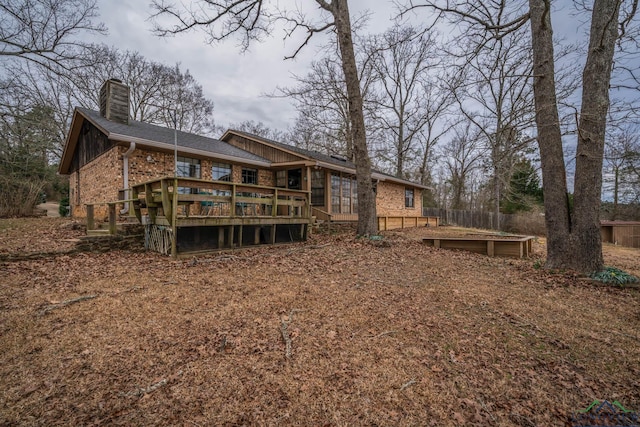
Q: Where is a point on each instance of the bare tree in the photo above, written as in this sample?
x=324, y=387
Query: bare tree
x=252, y=19
x=462, y=156
x=573, y=234
x=622, y=168
x=401, y=59
x=46, y=32
x=494, y=92
x=323, y=106
x=259, y=129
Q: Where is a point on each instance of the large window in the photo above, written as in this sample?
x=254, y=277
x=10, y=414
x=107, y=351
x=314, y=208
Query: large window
x=317, y=187
x=188, y=167
x=408, y=197
x=221, y=172
x=344, y=194
x=249, y=176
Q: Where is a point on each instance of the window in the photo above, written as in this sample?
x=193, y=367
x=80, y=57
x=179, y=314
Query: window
x=317, y=188
x=346, y=194
x=344, y=198
x=249, y=176
x=335, y=193
x=408, y=197
x=188, y=168
x=221, y=172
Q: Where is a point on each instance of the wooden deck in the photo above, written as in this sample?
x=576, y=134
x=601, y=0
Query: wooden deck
x=186, y=215
x=512, y=247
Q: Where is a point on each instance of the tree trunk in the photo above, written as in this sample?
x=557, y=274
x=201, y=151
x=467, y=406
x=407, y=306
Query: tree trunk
x=591, y=134
x=573, y=239
x=367, y=219
x=556, y=205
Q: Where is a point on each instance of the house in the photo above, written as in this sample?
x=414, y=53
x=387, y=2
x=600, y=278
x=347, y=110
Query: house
x=241, y=189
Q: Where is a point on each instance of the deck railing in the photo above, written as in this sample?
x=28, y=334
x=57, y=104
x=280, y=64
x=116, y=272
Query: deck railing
x=176, y=198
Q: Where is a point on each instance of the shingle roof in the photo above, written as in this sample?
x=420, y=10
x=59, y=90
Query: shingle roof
x=316, y=155
x=154, y=133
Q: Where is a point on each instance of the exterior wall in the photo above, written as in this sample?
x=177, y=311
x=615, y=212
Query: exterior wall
x=390, y=200
x=145, y=165
x=101, y=179
x=96, y=182
x=266, y=177
x=621, y=234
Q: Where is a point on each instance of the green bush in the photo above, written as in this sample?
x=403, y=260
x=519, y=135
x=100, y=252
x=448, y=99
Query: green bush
x=614, y=276
x=63, y=208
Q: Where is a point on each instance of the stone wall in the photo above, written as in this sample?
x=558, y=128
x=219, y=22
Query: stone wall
x=390, y=200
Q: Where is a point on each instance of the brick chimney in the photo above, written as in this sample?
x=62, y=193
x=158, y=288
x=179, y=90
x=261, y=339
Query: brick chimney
x=114, y=101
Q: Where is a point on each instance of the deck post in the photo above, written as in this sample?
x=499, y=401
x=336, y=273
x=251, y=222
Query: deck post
x=166, y=202
x=174, y=216
x=256, y=235
x=274, y=207
x=240, y=236
x=232, y=210
x=221, y=237
x=273, y=234
x=91, y=224
x=112, y=219
x=231, y=236
x=152, y=207
x=134, y=204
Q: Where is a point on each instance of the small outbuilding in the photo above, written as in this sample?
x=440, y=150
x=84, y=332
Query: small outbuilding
x=623, y=233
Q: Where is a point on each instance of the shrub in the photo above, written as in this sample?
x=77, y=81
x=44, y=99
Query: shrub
x=614, y=276
x=63, y=208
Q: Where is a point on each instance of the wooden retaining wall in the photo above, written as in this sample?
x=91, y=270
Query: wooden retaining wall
x=515, y=247
x=396, y=222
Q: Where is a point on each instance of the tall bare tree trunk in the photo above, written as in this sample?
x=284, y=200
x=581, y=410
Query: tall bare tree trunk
x=556, y=206
x=573, y=237
x=591, y=134
x=367, y=219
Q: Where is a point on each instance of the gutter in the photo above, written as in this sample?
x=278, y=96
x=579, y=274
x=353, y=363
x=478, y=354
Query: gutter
x=125, y=174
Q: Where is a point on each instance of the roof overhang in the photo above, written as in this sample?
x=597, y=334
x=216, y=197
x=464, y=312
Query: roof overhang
x=140, y=142
x=74, y=133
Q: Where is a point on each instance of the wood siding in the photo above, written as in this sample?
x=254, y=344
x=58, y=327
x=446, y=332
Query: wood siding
x=91, y=144
x=273, y=154
x=621, y=234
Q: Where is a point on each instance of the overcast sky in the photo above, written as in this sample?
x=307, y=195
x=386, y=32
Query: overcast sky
x=235, y=82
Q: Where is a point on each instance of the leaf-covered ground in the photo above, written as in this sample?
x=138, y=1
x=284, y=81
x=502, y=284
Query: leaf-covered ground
x=334, y=331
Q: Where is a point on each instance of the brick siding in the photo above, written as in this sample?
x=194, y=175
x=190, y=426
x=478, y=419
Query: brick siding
x=390, y=200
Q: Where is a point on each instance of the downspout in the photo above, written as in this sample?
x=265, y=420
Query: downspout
x=125, y=174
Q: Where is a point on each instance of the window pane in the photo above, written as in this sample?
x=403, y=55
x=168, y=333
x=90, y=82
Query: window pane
x=408, y=197
x=249, y=176
x=188, y=167
x=335, y=193
x=221, y=172
x=317, y=188
x=281, y=179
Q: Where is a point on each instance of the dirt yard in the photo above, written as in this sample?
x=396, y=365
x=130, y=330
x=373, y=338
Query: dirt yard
x=331, y=332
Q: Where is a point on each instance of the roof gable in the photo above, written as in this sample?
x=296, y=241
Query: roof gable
x=153, y=136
